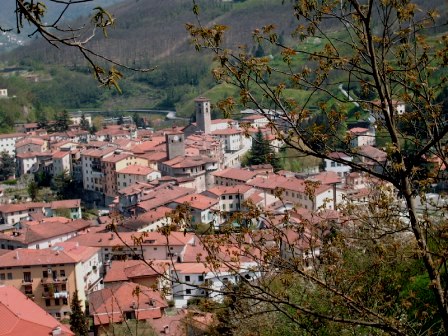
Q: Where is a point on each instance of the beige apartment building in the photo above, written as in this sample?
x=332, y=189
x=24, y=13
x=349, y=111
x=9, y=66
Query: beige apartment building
x=50, y=276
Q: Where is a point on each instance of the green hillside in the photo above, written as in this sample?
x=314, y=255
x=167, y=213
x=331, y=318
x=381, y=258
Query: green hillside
x=148, y=33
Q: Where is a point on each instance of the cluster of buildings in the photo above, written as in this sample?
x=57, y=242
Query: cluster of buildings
x=48, y=251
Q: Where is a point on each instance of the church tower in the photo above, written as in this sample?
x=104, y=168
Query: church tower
x=203, y=114
x=175, y=144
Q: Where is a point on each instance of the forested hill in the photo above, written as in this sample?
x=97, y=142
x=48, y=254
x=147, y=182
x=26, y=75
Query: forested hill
x=148, y=31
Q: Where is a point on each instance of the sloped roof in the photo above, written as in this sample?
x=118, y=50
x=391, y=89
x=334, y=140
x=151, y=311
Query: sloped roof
x=236, y=174
x=125, y=270
x=109, y=304
x=45, y=231
x=61, y=253
x=21, y=316
x=197, y=201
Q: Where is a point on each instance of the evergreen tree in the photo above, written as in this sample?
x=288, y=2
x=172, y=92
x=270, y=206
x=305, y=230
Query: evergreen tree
x=261, y=152
x=84, y=123
x=63, y=186
x=33, y=190
x=42, y=121
x=62, y=122
x=7, y=166
x=78, y=320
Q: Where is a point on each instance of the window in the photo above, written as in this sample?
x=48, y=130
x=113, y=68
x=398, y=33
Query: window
x=2, y=276
x=58, y=315
x=230, y=197
x=333, y=164
x=62, y=273
x=188, y=291
x=63, y=287
x=9, y=276
x=56, y=302
x=187, y=278
x=27, y=276
x=64, y=302
x=200, y=278
x=48, y=302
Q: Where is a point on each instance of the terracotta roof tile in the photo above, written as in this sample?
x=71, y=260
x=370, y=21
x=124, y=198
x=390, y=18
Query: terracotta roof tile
x=197, y=201
x=109, y=305
x=21, y=316
x=136, y=170
x=61, y=253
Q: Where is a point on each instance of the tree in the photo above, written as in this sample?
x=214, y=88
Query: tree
x=78, y=321
x=261, y=152
x=33, y=190
x=7, y=166
x=351, y=288
x=84, y=123
x=63, y=186
x=62, y=122
x=46, y=22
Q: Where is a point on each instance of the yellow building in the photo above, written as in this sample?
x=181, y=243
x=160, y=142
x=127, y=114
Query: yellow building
x=51, y=276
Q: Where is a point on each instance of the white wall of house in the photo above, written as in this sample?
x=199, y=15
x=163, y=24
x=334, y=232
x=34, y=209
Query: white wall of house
x=341, y=169
x=8, y=143
x=88, y=276
x=61, y=165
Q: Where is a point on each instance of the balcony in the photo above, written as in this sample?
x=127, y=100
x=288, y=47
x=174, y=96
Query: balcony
x=30, y=296
x=27, y=282
x=53, y=280
x=47, y=295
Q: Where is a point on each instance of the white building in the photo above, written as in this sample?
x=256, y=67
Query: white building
x=8, y=142
x=62, y=163
x=232, y=138
x=339, y=168
x=135, y=173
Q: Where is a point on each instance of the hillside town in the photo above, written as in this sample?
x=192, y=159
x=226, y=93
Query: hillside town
x=138, y=179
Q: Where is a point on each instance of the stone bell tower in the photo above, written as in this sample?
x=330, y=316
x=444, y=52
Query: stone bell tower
x=175, y=143
x=203, y=114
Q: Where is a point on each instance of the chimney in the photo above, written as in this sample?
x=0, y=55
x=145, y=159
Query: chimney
x=56, y=331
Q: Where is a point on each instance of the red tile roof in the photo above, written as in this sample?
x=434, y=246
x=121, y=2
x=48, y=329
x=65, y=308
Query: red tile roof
x=136, y=170
x=66, y=204
x=110, y=239
x=226, y=190
x=45, y=230
x=188, y=161
x=60, y=154
x=9, y=208
x=21, y=316
x=358, y=130
x=126, y=270
x=109, y=305
x=227, y=131
x=162, y=195
x=12, y=135
x=236, y=174
x=61, y=253
x=197, y=201
x=27, y=141
x=114, y=158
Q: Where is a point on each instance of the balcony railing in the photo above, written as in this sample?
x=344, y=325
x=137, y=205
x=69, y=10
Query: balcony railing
x=27, y=282
x=54, y=280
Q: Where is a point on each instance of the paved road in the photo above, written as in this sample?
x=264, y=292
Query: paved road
x=171, y=115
